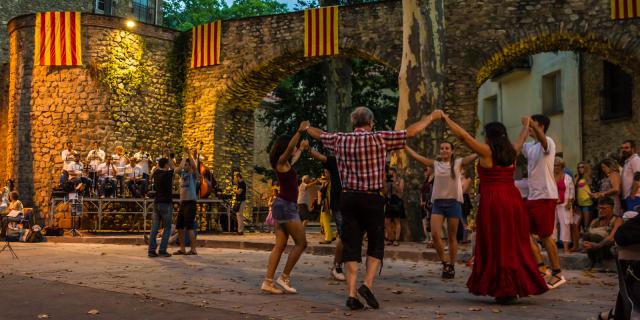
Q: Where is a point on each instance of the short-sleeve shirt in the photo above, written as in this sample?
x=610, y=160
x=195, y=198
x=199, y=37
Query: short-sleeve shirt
x=242, y=196
x=162, y=184
x=187, y=186
x=361, y=156
x=631, y=166
x=542, y=183
x=336, y=186
x=444, y=185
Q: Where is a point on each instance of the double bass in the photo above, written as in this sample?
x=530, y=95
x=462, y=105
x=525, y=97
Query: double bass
x=206, y=178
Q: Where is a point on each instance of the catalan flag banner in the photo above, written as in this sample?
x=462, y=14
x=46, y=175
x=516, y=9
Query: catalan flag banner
x=58, y=41
x=321, y=32
x=625, y=9
x=205, y=44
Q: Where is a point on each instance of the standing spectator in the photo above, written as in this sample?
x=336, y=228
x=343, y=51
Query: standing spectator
x=163, y=209
x=283, y=155
x=447, y=200
x=564, y=214
x=583, y=196
x=187, y=211
x=325, y=211
x=630, y=175
x=599, y=238
x=504, y=266
x=425, y=203
x=394, y=209
x=306, y=196
x=543, y=196
x=240, y=190
x=610, y=184
x=361, y=159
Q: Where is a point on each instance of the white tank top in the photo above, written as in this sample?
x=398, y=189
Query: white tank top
x=444, y=186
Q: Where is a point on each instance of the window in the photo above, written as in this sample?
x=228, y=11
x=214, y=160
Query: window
x=552, y=93
x=618, y=92
x=490, y=109
x=104, y=6
x=144, y=10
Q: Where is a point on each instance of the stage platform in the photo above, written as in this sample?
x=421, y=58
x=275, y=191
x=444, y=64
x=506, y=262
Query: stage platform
x=100, y=207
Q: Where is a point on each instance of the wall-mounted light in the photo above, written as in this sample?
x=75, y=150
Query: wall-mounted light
x=130, y=23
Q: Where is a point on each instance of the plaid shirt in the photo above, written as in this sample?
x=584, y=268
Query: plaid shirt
x=362, y=156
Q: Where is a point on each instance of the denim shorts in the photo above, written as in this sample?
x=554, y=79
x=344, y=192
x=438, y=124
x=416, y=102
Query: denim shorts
x=584, y=208
x=449, y=208
x=284, y=211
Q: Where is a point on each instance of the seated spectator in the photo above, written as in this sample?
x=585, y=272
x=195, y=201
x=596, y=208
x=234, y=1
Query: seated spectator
x=598, y=239
x=628, y=302
x=14, y=202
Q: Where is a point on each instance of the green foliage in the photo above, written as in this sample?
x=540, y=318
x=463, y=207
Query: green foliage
x=303, y=97
x=185, y=14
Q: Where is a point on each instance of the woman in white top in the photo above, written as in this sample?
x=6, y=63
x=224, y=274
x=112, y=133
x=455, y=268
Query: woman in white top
x=447, y=198
x=564, y=208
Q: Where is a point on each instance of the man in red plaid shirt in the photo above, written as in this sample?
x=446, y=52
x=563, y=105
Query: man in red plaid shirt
x=361, y=156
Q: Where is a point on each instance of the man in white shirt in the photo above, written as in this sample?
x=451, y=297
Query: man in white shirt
x=75, y=170
x=630, y=175
x=120, y=160
x=136, y=183
x=307, y=191
x=106, y=172
x=143, y=160
x=68, y=156
x=543, y=196
x=94, y=158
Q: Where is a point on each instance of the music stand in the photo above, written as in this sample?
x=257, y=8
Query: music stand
x=76, y=210
x=7, y=243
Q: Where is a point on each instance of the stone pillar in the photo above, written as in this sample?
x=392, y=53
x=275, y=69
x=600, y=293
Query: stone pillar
x=421, y=87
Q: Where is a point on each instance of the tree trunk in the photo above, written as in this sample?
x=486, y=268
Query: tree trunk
x=339, y=88
x=421, y=88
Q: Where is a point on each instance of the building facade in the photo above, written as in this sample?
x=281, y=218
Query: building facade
x=589, y=102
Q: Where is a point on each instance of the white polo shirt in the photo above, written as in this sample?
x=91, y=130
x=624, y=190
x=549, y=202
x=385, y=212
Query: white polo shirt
x=542, y=184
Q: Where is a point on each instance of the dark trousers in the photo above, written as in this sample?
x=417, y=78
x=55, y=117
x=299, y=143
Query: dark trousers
x=628, y=302
x=600, y=254
x=362, y=212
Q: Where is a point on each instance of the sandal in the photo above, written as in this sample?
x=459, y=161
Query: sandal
x=556, y=281
x=192, y=253
x=179, y=253
x=608, y=315
x=396, y=243
x=448, y=271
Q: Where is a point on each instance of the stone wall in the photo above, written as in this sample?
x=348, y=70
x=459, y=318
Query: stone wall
x=258, y=53
x=601, y=138
x=51, y=105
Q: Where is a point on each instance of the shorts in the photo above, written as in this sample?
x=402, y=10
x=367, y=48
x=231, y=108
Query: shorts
x=283, y=211
x=586, y=209
x=362, y=212
x=186, y=215
x=542, y=216
x=449, y=208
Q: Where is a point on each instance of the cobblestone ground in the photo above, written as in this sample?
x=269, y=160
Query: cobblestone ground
x=224, y=284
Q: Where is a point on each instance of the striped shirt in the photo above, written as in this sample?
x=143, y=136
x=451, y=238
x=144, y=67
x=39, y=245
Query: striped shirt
x=362, y=156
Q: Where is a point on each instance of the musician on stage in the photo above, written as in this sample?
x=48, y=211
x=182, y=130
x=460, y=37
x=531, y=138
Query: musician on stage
x=144, y=160
x=136, y=183
x=68, y=156
x=106, y=173
x=94, y=159
x=120, y=161
x=77, y=177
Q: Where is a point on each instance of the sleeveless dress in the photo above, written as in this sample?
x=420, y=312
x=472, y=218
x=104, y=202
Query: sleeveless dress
x=504, y=265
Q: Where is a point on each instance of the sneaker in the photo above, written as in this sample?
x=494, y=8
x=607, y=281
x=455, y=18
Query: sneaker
x=337, y=274
x=153, y=254
x=354, y=304
x=268, y=287
x=285, y=283
x=555, y=281
x=164, y=254
x=368, y=296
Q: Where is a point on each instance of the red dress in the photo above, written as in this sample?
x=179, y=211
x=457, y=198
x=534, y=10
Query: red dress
x=504, y=265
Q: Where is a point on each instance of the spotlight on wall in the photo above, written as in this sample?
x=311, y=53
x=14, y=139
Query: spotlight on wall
x=130, y=23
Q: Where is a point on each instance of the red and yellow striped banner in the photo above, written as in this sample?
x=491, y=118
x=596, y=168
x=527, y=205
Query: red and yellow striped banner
x=625, y=9
x=321, y=32
x=58, y=41
x=205, y=44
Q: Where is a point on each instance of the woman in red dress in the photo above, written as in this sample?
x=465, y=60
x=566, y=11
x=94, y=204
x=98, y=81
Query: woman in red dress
x=504, y=266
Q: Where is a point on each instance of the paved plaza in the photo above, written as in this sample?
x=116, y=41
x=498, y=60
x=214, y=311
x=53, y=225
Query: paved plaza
x=71, y=280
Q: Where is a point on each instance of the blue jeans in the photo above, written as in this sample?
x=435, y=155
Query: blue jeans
x=631, y=204
x=162, y=211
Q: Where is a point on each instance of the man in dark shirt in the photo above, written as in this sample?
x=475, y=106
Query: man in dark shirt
x=163, y=210
x=335, y=189
x=241, y=199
